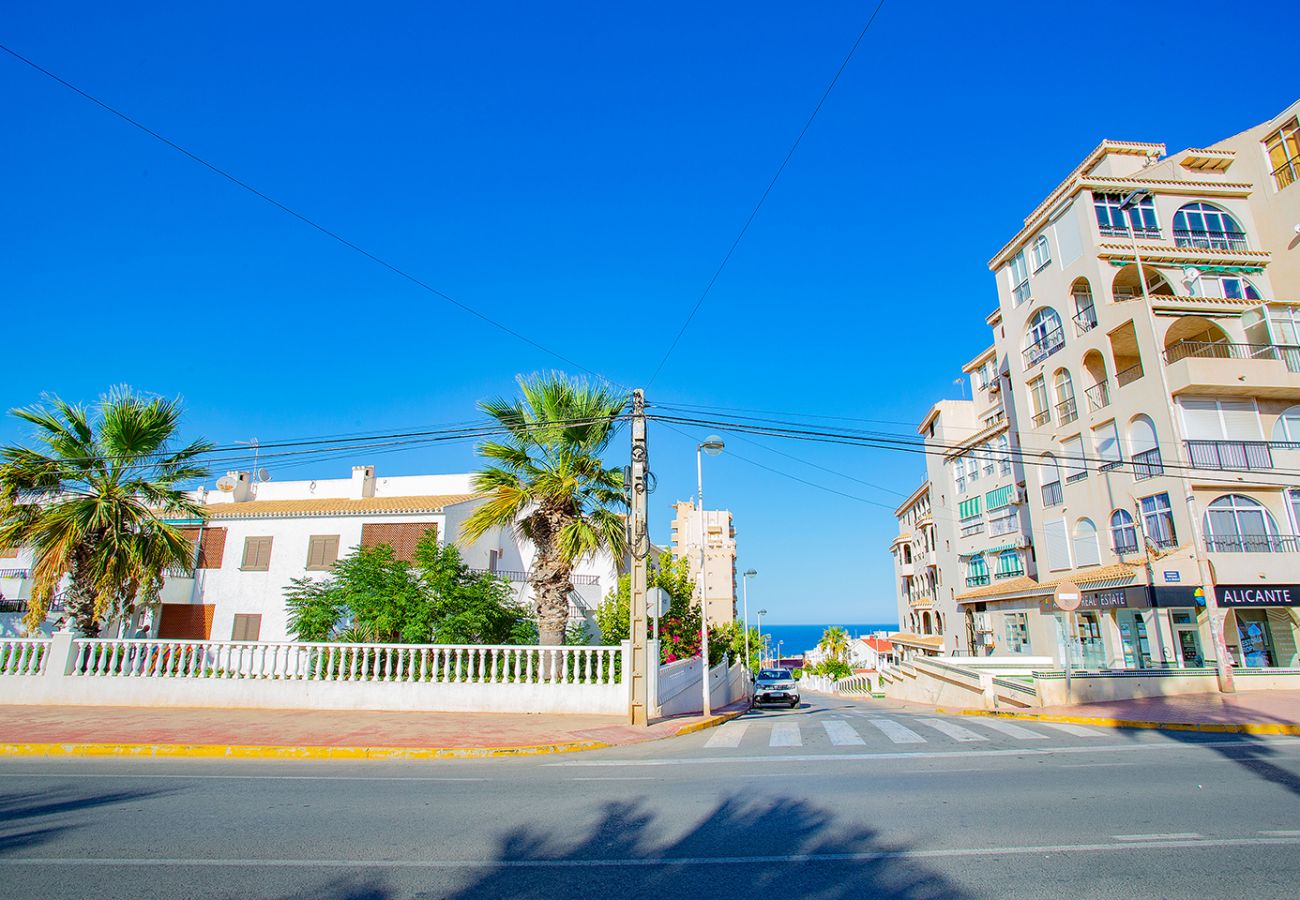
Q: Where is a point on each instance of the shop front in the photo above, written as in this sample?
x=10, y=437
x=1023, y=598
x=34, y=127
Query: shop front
x=1135, y=627
x=1262, y=618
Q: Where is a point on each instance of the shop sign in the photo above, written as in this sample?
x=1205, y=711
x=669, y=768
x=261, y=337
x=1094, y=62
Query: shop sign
x=1173, y=577
x=1117, y=598
x=1247, y=595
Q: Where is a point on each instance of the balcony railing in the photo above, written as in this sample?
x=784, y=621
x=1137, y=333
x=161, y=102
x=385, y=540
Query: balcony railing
x=1020, y=293
x=1041, y=349
x=1067, y=411
x=1098, y=396
x=1287, y=173
x=515, y=575
x=1236, y=455
x=1126, y=544
x=1210, y=240
x=1042, y=418
x=1052, y=494
x=1253, y=543
x=14, y=573
x=1080, y=475
x=1129, y=375
x=1218, y=350
x=976, y=580
x=972, y=528
x=1085, y=320
x=1150, y=234
x=1011, y=572
x=1148, y=464
x=1005, y=525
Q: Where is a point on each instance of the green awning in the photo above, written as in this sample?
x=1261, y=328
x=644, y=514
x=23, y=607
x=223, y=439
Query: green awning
x=996, y=499
x=969, y=508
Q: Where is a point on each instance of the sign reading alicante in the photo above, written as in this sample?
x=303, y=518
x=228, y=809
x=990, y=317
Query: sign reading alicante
x=1258, y=594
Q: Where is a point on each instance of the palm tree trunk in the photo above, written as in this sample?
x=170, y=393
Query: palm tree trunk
x=80, y=602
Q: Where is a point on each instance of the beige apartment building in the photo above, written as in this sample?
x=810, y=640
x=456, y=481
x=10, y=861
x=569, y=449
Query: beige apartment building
x=1146, y=347
x=719, y=555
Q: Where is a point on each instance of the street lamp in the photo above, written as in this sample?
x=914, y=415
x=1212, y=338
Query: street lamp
x=761, y=644
x=712, y=445
x=778, y=652
x=745, y=576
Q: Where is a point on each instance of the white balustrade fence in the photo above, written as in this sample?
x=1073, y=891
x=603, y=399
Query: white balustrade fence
x=265, y=675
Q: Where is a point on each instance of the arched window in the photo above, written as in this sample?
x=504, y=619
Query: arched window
x=977, y=571
x=1123, y=533
x=1143, y=449
x=1086, y=552
x=1085, y=311
x=1044, y=337
x=1231, y=287
x=1050, y=473
x=1041, y=253
x=1287, y=427
x=1208, y=227
x=1066, y=409
x=1237, y=524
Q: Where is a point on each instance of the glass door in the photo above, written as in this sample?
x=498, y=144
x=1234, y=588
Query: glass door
x=1256, y=641
x=1088, y=632
x=1189, y=642
x=1133, y=636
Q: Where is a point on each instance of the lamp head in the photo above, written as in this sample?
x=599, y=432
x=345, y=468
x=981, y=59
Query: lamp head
x=762, y=612
x=712, y=445
x=748, y=573
x=1134, y=198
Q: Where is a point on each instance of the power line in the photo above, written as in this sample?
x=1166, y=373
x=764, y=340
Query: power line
x=396, y=270
x=768, y=190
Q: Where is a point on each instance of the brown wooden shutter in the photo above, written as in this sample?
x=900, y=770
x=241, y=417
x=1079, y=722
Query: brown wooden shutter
x=186, y=621
x=322, y=551
x=212, y=547
x=401, y=536
x=247, y=627
x=257, y=554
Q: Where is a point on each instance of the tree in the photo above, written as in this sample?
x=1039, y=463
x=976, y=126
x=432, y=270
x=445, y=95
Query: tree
x=91, y=503
x=730, y=638
x=679, y=628
x=546, y=479
x=834, y=643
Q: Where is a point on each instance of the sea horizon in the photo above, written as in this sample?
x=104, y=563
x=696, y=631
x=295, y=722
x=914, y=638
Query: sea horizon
x=802, y=637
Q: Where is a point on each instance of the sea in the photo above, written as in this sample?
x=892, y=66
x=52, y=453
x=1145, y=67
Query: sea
x=797, y=639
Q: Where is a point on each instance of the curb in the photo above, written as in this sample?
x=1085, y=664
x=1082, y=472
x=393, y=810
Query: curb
x=710, y=722
x=255, y=751
x=1106, y=722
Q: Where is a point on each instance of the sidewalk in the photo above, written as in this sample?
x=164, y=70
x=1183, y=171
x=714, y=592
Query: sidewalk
x=295, y=734
x=1245, y=712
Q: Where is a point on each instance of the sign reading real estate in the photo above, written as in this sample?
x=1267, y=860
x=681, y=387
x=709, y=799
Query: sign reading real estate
x=1240, y=595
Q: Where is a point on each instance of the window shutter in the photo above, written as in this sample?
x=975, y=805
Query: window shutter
x=1107, y=440
x=1071, y=455
x=322, y=551
x=401, y=536
x=996, y=499
x=1240, y=421
x=248, y=626
x=1058, y=544
x=1201, y=419
x=1086, y=551
x=257, y=554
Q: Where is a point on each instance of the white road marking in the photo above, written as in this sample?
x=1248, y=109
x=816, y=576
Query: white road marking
x=728, y=735
x=1177, y=836
x=785, y=734
x=953, y=730
x=842, y=734
x=1015, y=731
x=1094, y=765
x=1077, y=730
x=647, y=862
x=1283, y=833
x=899, y=734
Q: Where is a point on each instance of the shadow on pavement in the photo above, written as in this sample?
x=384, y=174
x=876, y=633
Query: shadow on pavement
x=31, y=818
x=760, y=848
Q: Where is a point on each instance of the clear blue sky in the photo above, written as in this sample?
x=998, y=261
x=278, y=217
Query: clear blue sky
x=578, y=171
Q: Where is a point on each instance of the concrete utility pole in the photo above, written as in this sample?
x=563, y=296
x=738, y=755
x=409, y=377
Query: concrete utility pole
x=639, y=550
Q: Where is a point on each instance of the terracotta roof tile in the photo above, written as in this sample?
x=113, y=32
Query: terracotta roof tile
x=928, y=641
x=1024, y=584
x=334, y=506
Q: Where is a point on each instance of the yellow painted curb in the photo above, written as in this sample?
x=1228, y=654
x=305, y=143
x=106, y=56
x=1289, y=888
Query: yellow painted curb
x=228, y=751
x=1106, y=722
x=710, y=722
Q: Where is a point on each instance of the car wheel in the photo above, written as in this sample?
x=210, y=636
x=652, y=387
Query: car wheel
x=794, y=704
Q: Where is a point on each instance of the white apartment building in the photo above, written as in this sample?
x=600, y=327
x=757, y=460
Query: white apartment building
x=1148, y=339
x=256, y=537
x=719, y=555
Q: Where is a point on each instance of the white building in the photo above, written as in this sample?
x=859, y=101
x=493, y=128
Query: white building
x=719, y=555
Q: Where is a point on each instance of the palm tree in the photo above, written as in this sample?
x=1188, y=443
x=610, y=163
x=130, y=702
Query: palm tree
x=547, y=480
x=834, y=643
x=90, y=502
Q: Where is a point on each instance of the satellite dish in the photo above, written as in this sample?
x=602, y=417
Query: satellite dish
x=263, y=474
x=225, y=484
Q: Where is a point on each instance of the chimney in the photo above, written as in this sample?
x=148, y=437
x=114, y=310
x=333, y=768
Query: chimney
x=243, y=489
x=363, y=482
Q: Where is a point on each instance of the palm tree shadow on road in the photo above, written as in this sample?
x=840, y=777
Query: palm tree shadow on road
x=31, y=818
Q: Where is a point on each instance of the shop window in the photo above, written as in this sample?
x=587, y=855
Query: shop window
x=1017, y=627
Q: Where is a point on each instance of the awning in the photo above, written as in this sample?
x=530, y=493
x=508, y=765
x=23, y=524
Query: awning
x=925, y=641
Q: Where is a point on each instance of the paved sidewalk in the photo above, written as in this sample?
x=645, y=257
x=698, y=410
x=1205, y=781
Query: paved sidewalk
x=296, y=734
x=1248, y=712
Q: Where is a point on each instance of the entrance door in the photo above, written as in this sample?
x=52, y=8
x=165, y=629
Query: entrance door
x=1088, y=627
x=1256, y=640
x=1189, y=640
x=1133, y=635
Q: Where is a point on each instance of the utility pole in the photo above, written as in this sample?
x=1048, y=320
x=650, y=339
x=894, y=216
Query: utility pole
x=639, y=550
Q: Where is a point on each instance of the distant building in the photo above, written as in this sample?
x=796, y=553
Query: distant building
x=719, y=555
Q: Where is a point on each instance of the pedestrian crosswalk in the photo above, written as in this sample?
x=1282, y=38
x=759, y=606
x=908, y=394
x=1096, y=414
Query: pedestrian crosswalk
x=873, y=729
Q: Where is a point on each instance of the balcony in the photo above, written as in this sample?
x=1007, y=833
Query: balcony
x=976, y=580
x=1223, y=368
x=1010, y=572
x=14, y=573
x=1125, y=545
x=972, y=528
x=1144, y=234
x=1038, y=351
x=1098, y=396
x=1052, y=495
x=1148, y=464
x=1042, y=418
x=1253, y=543
x=1287, y=173
x=1085, y=320
x=1067, y=411
x=1073, y=477
x=1129, y=375
x=1211, y=240
x=1241, y=456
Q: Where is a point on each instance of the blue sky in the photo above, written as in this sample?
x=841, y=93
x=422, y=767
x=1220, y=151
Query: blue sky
x=577, y=171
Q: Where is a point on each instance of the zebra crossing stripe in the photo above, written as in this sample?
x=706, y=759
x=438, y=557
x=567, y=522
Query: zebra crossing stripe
x=1015, y=731
x=897, y=733
x=728, y=735
x=842, y=734
x=1078, y=730
x=953, y=730
x=785, y=734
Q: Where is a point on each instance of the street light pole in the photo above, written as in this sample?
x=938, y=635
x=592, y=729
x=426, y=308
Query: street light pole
x=762, y=645
x=712, y=445
x=745, y=592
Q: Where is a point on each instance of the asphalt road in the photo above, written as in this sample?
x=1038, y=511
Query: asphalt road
x=837, y=799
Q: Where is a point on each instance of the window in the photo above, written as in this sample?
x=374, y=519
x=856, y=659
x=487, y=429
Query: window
x=1051, y=476
x=1018, y=272
x=212, y=545
x=1111, y=220
x=987, y=455
x=1207, y=227
x=1002, y=521
x=1076, y=466
x=247, y=627
x=1058, y=544
x=1158, y=520
x=1106, y=439
x=1145, y=451
x=1044, y=337
x=1085, y=311
x=1123, y=533
x=1230, y=287
x=1009, y=564
x=1293, y=497
x=1017, y=632
x=1086, y=552
x=1284, y=323
x=1287, y=427
x=1041, y=253
x=1283, y=148
x=959, y=473
x=1066, y=409
x=1237, y=524
x=973, y=466
x=971, y=520
x=322, y=552
x=1002, y=446
x=977, y=572
x=1038, y=397
x=257, y=554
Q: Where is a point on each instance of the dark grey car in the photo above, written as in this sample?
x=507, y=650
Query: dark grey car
x=776, y=686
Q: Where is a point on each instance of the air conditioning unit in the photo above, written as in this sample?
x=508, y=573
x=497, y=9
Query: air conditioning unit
x=982, y=622
x=995, y=386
